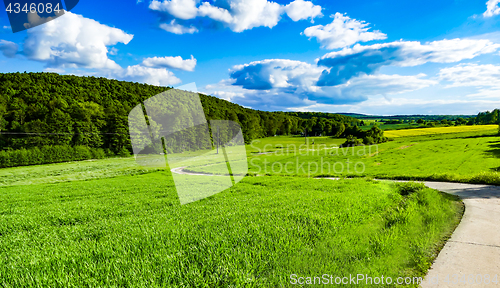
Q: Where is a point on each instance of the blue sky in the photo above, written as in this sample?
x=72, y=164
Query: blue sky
x=374, y=57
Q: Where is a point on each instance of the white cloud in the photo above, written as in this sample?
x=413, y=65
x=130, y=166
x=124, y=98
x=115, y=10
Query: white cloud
x=492, y=8
x=382, y=84
x=237, y=15
x=153, y=76
x=225, y=90
x=8, y=48
x=54, y=70
x=215, y=13
x=73, y=41
x=484, y=77
x=181, y=9
x=82, y=46
x=171, y=62
x=178, y=29
x=113, y=51
x=351, y=62
x=245, y=14
x=276, y=84
x=276, y=73
x=6, y=27
x=35, y=20
x=301, y=10
x=342, y=32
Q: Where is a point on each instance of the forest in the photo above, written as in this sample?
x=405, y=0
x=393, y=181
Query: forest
x=40, y=110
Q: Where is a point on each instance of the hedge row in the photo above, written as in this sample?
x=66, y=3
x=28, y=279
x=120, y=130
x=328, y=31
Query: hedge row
x=48, y=154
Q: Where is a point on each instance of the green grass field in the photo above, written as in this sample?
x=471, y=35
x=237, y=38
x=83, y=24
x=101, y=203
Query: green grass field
x=472, y=157
x=130, y=231
x=113, y=223
x=390, y=126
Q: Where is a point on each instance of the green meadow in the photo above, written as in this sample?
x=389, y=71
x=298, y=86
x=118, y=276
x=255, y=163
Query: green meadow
x=113, y=223
x=472, y=157
x=131, y=231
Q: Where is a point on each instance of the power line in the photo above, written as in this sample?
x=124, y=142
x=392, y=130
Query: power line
x=44, y=133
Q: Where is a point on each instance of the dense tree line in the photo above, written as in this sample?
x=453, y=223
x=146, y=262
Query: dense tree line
x=406, y=118
x=483, y=118
x=48, y=110
x=330, y=116
x=488, y=117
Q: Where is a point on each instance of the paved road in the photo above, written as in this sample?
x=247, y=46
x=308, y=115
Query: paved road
x=474, y=247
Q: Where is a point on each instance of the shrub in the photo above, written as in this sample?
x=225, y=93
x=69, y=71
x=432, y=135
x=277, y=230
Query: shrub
x=351, y=141
x=82, y=153
x=98, y=153
x=123, y=152
x=109, y=153
x=368, y=140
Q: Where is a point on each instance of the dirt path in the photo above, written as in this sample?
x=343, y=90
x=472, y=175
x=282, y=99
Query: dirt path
x=473, y=252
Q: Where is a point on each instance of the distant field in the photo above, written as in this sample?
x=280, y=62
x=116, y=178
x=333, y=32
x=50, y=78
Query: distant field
x=439, y=130
x=472, y=157
x=130, y=231
x=391, y=126
x=280, y=143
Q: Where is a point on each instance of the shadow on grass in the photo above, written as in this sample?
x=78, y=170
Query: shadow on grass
x=494, y=149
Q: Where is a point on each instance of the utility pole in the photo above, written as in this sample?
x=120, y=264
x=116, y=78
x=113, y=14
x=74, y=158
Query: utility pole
x=305, y=136
x=217, y=140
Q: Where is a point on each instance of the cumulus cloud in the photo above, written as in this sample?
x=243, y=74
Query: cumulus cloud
x=492, y=8
x=179, y=16
x=244, y=14
x=83, y=45
x=487, y=75
x=73, y=41
x=342, y=32
x=178, y=29
x=153, y=76
x=351, y=62
x=181, y=9
x=301, y=10
x=384, y=84
x=483, y=77
x=8, y=48
x=276, y=84
x=355, y=91
x=275, y=73
x=171, y=62
x=34, y=19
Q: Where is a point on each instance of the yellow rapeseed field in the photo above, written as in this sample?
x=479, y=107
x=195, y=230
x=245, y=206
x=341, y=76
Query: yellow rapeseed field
x=438, y=130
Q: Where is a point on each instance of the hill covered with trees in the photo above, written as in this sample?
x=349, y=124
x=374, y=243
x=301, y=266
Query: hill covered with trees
x=49, y=110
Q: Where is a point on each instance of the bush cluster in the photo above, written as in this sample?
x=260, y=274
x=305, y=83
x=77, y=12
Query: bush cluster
x=48, y=154
x=356, y=136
